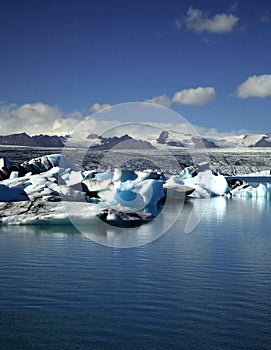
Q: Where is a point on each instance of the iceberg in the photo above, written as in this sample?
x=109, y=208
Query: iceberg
x=38, y=191
x=188, y=172
x=126, y=188
x=176, y=189
x=205, y=184
x=43, y=192
x=262, y=191
x=35, y=166
x=137, y=194
x=40, y=212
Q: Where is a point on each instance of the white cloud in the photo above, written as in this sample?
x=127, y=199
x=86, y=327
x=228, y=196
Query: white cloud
x=198, y=96
x=36, y=118
x=162, y=100
x=64, y=126
x=255, y=86
x=36, y=114
x=200, y=21
x=33, y=118
x=96, y=107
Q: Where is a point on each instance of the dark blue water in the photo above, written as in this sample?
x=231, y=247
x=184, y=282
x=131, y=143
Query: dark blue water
x=210, y=289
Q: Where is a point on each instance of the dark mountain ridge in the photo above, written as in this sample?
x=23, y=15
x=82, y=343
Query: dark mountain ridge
x=23, y=139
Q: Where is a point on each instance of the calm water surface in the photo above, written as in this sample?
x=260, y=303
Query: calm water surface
x=210, y=289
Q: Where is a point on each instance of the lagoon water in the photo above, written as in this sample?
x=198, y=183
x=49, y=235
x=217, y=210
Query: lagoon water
x=209, y=289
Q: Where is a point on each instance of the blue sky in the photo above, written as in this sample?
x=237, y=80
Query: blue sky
x=59, y=58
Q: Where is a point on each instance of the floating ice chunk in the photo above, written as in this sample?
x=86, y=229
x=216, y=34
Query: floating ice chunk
x=104, y=176
x=40, y=212
x=205, y=184
x=28, y=174
x=64, y=176
x=123, y=175
x=124, y=217
x=176, y=189
x=70, y=194
x=4, y=163
x=89, y=174
x=199, y=192
x=188, y=172
x=93, y=185
x=151, y=191
x=35, y=165
x=108, y=195
x=13, y=175
x=173, y=181
x=134, y=194
x=46, y=185
x=149, y=175
x=261, y=190
x=60, y=160
x=247, y=192
x=215, y=185
x=74, y=178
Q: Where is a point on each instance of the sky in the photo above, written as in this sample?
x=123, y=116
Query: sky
x=208, y=60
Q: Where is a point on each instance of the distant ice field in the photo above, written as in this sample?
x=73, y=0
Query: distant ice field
x=227, y=161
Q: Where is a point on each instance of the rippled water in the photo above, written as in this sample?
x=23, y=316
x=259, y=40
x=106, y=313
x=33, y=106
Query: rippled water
x=210, y=289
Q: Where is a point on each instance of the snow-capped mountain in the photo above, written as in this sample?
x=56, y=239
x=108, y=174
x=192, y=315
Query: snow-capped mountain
x=137, y=138
x=244, y=141
x=122, y=142
x=184, y=140
x=264, y=141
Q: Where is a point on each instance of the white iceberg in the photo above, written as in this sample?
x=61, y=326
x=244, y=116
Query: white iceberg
x=261, y=191
x=205, y=184
x=38, y=187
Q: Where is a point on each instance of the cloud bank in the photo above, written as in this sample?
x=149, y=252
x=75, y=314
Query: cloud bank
x=200, y=21
x=255, y=86
x=36, y=118
x=40, y=118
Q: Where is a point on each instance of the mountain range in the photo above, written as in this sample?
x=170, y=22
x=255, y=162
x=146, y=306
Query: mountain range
x=24, y=139
x=168, y=138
